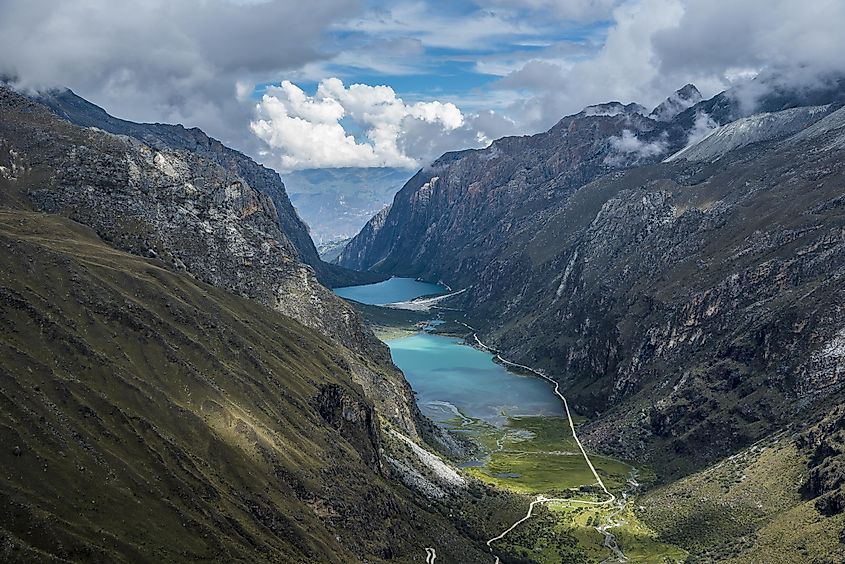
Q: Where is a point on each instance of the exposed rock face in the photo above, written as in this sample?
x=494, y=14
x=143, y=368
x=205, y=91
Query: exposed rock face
x=611, y=109
x=194, y=215
x=175, y=138
x=825, y=444
x=680, y=100
x=750, y=130
x=355, y=420
x=369, y=232
x=477, y=198
x=693, y=305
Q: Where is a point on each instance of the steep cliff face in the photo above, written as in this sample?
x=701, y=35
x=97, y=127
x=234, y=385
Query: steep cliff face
x=195, y=215
x=452, y=216
x=474, y=199
x=693, y=306
x=825, y=445
x=686, y=97
x=175, y=138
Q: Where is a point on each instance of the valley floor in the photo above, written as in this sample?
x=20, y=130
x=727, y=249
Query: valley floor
x=747, y=508
x=579, y=507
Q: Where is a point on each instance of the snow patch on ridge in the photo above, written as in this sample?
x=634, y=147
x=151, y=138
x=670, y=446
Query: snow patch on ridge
x=826, y=368
x=611, y=109
x=749, y=130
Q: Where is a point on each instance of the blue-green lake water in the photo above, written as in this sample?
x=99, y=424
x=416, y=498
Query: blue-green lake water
x=451, y=378
x=390, y=291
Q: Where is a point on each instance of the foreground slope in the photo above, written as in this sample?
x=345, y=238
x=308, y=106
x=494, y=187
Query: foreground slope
x=752, y=507
x=146, y=416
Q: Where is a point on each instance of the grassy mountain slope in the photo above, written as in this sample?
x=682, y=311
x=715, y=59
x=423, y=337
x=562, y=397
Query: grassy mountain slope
x=751, y=507
x=193, y=213
x=145, y=416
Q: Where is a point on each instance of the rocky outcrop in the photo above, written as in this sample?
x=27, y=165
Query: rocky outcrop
x=355, y=420
x=176, y=138
x=680, y=100
x=825, y=445
x=753, y=129
x=691, y=326
x=476, y=199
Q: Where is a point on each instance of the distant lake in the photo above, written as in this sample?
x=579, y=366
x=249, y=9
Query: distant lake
x=449, y=376
x=390, y=291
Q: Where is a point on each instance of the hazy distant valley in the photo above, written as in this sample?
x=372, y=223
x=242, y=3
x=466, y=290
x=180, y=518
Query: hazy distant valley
x=336, y=203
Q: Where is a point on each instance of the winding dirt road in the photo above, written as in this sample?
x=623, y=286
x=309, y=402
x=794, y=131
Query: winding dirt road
x=609, y=538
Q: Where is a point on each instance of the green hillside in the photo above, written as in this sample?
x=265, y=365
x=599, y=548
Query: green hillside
x=148, y=417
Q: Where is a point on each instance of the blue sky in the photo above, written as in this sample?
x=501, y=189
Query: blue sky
x=464, y=53
x=432, y=59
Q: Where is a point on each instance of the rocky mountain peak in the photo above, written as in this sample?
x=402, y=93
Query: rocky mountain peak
x=680, y=100
x=610, y=109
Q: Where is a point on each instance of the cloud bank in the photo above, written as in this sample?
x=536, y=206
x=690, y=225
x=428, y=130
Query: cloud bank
x=654, y=46
x=628, y=148
x=463, y=72
x=307, y=131
x=164, y=60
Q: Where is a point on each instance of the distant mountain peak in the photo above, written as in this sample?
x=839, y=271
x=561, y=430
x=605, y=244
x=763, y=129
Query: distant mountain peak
x=612, y=109
x=679, y=101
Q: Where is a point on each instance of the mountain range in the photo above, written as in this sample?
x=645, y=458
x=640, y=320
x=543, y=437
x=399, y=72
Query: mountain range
x=337, y=202
x=678, y=271
x=179, y=383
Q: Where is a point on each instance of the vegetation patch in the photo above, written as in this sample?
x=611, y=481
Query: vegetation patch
x=533, y=455
x=747, y=508
x=561, y=532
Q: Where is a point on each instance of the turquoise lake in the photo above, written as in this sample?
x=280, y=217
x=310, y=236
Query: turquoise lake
x=451, y=378
x=390, y=291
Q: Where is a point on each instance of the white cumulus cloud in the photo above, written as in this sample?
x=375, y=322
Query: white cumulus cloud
x=310, y=131
x=703, y=126
x=192, y=62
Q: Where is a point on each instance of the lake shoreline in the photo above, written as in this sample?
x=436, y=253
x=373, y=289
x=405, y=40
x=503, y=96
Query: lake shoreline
x=524, y=442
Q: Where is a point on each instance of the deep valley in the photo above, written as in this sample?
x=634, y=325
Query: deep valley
x=620, y=339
